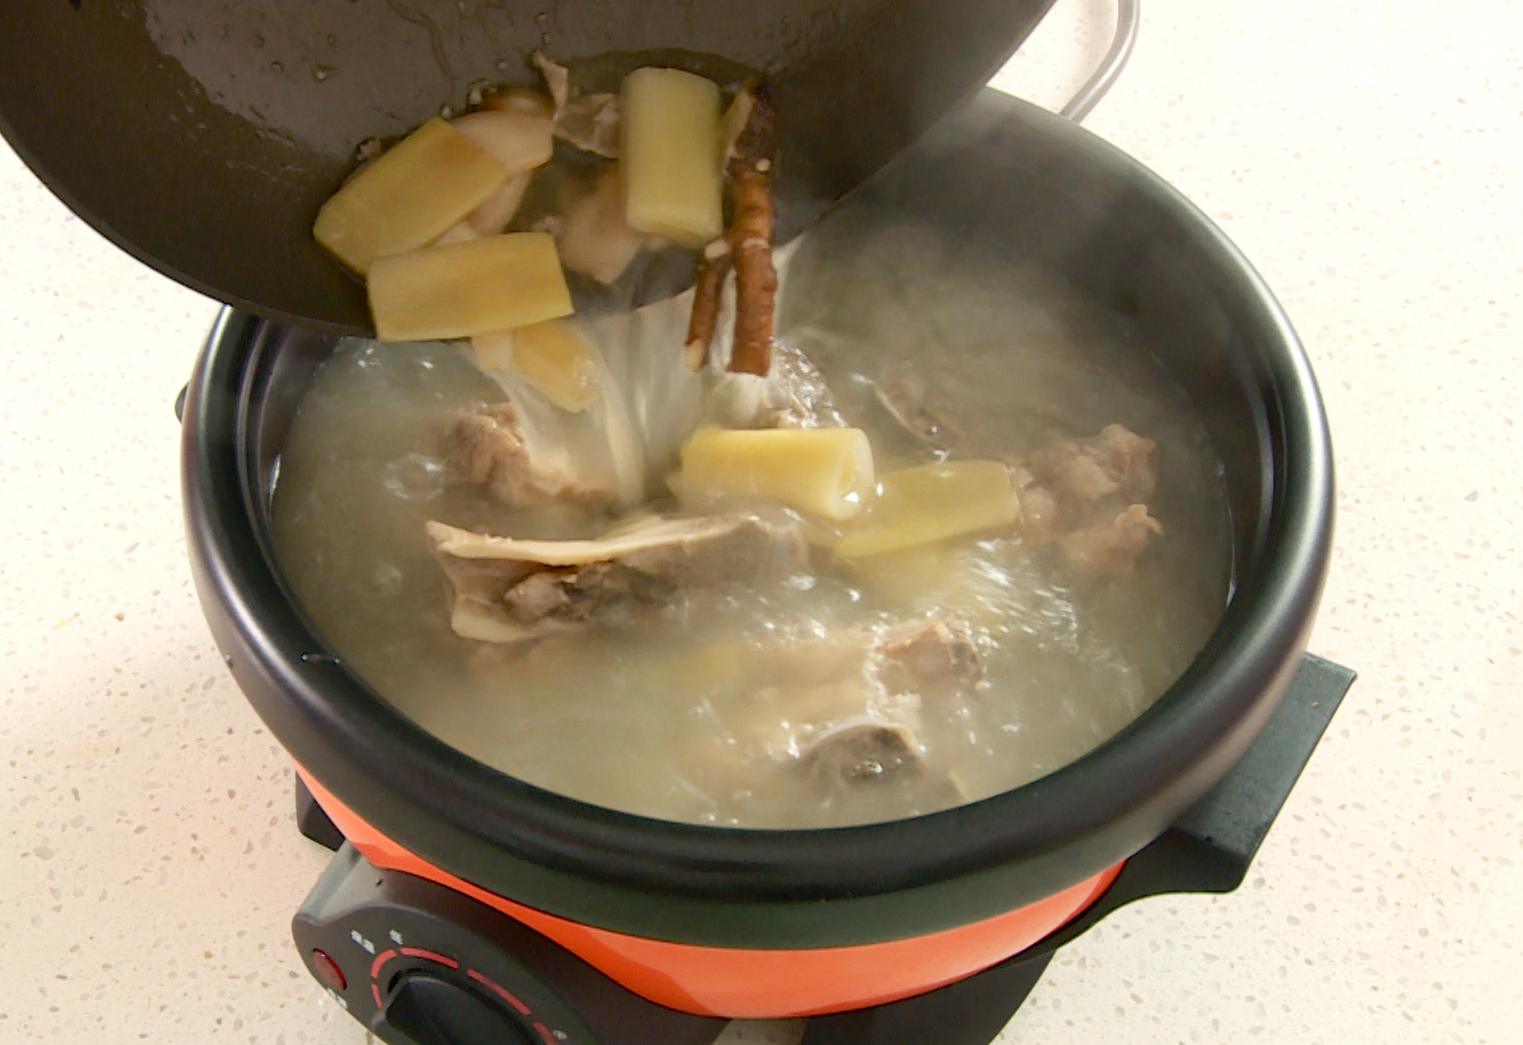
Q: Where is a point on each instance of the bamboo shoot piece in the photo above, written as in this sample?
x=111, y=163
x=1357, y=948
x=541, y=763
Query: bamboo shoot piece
x=519, y=138
x=902, y=578
x=493, y=350
x=930, y=503
x=407, y=197
x=939, y=578
x=518, y=129
x=527, y=100
x=712, y=668
x=553, y=356
x=826, y=472
x=494, y=215
x=670, y=125
x=458, y=234
x=463, y=289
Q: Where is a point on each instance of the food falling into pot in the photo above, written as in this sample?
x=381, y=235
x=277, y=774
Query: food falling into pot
x=436, y=224
x=880, y=526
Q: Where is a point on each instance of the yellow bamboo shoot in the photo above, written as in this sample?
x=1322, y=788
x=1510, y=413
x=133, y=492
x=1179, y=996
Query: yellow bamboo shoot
x=555, y=358
x=712, y=668
x=902, y=578
x=517, y=139
x=493, y=350
x=826, y=472
x=670, y=123
x=462, y=289
x=932, y=503
x=408, y=197
x=499, y=208
x=954, y=583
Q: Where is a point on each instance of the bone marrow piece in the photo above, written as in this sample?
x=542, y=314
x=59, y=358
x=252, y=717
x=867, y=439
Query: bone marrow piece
x=846, y=708
x=913, y=665
x=845, y=731
x=863, y=750
x=506, y=590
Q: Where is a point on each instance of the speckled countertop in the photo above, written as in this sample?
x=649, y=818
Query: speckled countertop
x=1364, y=155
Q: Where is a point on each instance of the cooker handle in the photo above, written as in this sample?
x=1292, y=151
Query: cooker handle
x=1209, y=848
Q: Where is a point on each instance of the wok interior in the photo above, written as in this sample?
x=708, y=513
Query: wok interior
x=202, y=135
x=1025, y=190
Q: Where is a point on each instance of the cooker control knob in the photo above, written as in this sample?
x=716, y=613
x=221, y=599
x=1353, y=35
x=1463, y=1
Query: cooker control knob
x=434, y=1011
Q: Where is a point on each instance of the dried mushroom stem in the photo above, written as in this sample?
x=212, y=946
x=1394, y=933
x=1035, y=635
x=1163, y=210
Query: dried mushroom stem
x=713, y=267
x=750, y=235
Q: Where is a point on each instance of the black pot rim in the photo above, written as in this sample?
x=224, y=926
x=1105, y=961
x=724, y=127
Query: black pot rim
x=595, y=865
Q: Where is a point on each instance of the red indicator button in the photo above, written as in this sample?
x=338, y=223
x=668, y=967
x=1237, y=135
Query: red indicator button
x=327, y=971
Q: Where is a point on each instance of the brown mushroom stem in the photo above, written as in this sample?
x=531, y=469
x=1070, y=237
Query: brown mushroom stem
x=713, y=266
x=750, y=236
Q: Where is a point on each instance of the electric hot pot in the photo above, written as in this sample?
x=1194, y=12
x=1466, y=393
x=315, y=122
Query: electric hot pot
x=463, y=906
x=445, y=857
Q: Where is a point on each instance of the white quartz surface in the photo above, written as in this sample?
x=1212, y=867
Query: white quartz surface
x=1364, y=155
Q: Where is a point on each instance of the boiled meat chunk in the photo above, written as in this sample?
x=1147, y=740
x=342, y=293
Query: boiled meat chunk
x=1112, y=548
x=929, y=657
x=492, y=447
x=1116, y=462
x=1039, y=509
x=506, y=590
x=1089, y=496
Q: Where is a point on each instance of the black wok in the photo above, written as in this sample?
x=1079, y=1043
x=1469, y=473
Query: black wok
x=201, y=135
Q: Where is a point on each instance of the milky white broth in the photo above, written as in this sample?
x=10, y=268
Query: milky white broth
x=654, y=719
